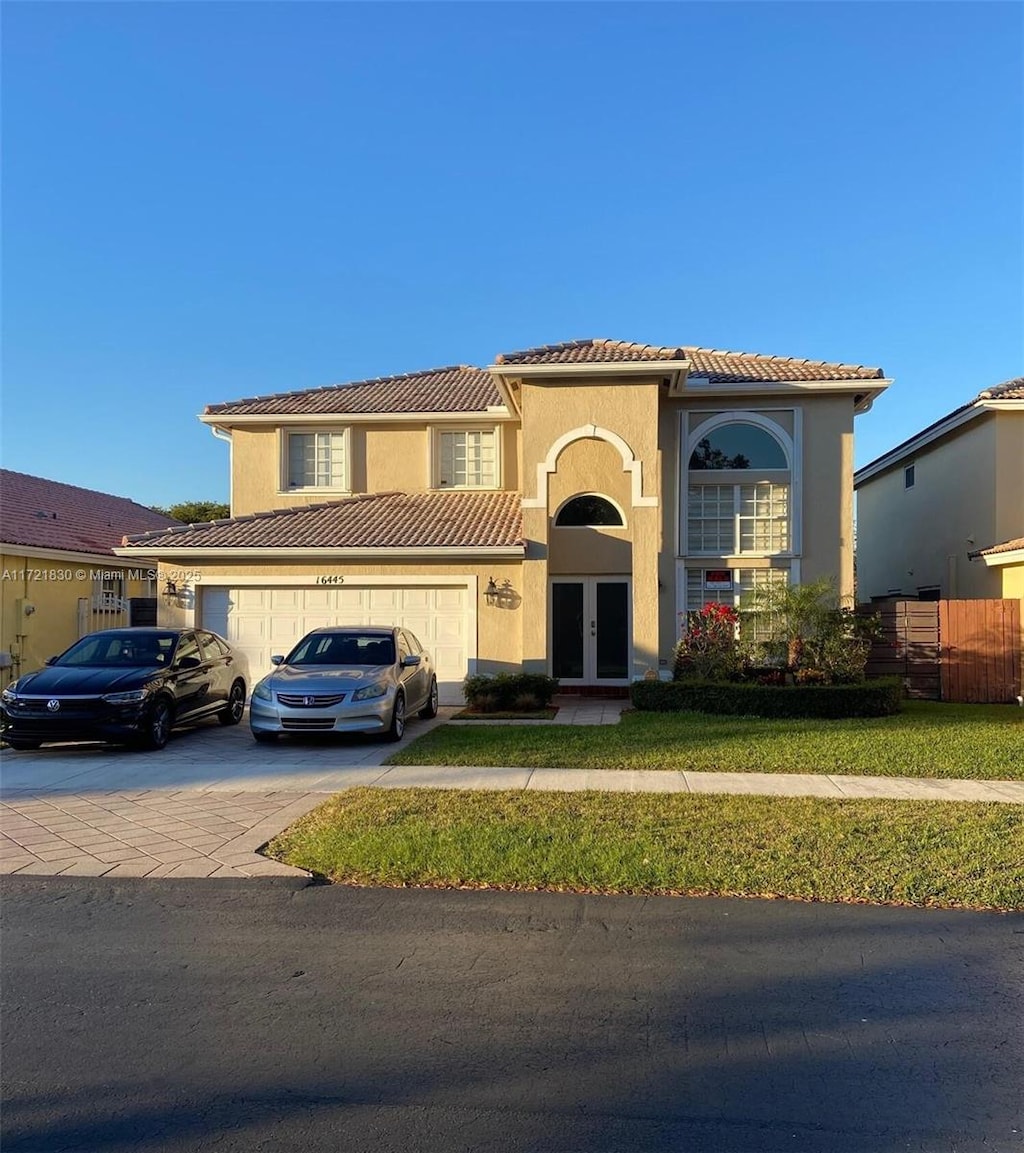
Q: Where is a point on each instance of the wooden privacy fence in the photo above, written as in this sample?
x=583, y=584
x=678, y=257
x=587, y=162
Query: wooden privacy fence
x=967, y=651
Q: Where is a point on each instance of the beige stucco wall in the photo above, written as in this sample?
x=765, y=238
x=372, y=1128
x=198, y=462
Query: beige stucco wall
x=1012, y=576
x=383, y=457
x=908, y=539
x=53, y=587
x=1009, y=513
x=591, y=464
x=499, y=635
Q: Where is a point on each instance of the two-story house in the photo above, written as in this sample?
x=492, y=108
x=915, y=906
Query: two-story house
x=556, y=511
x=941, y=516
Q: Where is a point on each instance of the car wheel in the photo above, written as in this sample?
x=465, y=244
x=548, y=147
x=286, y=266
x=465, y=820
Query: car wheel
x=157, y=726
x=232, y=712
x=20, y=744
x=429, y=710
x=396, y=730
x=263, y=738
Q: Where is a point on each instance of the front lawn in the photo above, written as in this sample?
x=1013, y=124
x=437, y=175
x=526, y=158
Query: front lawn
x=936, y=853
x=925, y=740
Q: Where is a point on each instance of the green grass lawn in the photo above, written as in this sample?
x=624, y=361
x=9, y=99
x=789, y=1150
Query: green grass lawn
x=925, y=740
x=936, y=853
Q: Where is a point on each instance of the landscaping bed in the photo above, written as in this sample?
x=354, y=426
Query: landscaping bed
x=926, y=853
x=926, y=739
x=508, y=715
x=877, y=698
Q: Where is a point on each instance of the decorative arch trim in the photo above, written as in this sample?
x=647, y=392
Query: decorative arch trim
x=591, y=432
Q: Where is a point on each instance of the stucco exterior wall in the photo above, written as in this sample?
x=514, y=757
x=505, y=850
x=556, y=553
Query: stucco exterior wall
x=1009, y=495
x=52, y=586
x=630, y=412
x=909, y=539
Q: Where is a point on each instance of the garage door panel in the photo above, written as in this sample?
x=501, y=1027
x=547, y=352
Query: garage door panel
x=264, y=621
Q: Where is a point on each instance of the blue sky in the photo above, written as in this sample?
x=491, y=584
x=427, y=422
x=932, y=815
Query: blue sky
x=210, y=201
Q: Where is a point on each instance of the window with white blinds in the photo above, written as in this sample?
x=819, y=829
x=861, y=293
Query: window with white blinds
x=317, y=460
x=467, y=458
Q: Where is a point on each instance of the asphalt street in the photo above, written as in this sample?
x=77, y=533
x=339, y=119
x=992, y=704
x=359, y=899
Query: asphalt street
x=166, y=1016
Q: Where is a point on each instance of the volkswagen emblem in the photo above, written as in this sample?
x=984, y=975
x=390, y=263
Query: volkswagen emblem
x=53, y=705
x=308, y=700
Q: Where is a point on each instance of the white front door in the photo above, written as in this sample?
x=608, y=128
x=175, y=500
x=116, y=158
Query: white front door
x=590, y=630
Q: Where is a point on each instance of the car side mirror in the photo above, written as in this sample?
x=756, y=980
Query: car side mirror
x=411, y=661
x=277, y=660
x=49, y=660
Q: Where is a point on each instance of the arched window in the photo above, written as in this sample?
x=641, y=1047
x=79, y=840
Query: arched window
x=744, y=510
x=588, y=510
x=738, y=445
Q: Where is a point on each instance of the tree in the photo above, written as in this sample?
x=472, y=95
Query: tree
x=195, y=511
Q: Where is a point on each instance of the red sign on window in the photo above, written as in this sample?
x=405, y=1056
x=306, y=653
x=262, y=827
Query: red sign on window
x=717, y=578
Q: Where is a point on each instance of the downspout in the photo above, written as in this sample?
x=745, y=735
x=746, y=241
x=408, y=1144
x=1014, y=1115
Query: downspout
x=224, y=434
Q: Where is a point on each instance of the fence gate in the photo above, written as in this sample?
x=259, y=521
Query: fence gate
x=980, y=650
x=908, y=647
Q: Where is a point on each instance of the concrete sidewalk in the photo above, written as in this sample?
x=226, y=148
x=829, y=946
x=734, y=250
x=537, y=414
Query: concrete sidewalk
x=216, y=830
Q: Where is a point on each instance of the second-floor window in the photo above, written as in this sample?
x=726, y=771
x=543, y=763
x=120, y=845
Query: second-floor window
x=467, y=458
x=738, y=492
x=317, y=460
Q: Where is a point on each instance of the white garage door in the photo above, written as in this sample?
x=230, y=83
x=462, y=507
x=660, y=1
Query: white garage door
x=264, y=621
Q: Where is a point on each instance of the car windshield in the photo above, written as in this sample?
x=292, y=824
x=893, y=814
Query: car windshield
x=121, y=650
x=343, y=649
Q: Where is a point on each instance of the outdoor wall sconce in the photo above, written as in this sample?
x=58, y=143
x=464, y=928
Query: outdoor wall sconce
x=170, y=593
x=501, y=595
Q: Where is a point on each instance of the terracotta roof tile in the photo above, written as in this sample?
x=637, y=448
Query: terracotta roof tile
x=39, y=513
x=718, y=366
x=1007, y=545
x=459, y=388
x=1008, y=390
x=589, y=352
x=375, y=521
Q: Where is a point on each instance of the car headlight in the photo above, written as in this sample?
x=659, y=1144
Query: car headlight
x=133, y=697
x=262, y=690
x=10, y=694
x=370, y=692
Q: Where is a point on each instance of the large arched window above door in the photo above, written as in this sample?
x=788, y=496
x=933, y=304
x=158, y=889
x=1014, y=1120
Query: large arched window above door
x=739, y=487
x=739, y=445
x=589, y=511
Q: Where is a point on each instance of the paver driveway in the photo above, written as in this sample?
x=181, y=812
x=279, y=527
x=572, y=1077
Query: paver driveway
x=198, y=808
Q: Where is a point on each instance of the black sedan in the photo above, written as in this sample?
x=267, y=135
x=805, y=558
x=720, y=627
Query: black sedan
x=126, y=686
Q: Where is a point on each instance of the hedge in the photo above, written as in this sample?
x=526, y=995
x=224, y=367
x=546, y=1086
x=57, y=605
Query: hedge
x=874, y=698
x=509, y=692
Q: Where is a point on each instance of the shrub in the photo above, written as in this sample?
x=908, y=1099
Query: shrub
x=505, y=691
x=708, y=649
x=806, y=629
x=877, y=698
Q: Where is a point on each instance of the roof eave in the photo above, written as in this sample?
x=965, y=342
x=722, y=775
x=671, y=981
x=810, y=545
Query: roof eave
x=995, y=559
x=290, y=552
x=228, y=420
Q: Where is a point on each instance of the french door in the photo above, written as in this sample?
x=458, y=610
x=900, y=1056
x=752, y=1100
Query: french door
x=590, y=630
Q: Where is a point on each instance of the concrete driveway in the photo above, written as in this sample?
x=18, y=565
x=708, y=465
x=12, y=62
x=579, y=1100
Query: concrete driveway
x=198, y=808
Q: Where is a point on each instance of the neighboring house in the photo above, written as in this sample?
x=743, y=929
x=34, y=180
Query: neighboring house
x=941, y=515
x=60, y=577
x=1007, y=559
x=556, y=511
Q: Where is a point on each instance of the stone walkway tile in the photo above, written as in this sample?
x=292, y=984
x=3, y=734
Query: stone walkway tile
x=46, y=868
x=227, y=871
x=238, y=859
x=200, y=867
x=163, y=869
x=13, y=864
x=86, y=867
x=116, y=856
x=55, y=854
x=173, y=856
x=140, y=867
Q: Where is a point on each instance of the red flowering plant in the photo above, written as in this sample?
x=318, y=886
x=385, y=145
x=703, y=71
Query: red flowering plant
x=708, y=649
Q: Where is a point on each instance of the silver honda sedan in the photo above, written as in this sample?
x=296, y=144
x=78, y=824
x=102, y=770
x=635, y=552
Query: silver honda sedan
x=346, y=680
